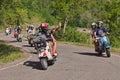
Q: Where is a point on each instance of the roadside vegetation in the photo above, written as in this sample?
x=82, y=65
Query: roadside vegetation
x=8, y=53
x=72, y=36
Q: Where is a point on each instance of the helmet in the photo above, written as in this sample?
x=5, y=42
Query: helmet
x=19, y=26
x=32, y=25
x=101, y=22
x=93, y=24
x=44, y=25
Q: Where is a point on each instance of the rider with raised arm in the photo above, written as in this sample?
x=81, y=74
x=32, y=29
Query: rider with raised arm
x=44, y=30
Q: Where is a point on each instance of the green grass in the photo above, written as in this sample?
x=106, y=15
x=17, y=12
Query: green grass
x=75, y=43
x=8, y=53
x=113, y=50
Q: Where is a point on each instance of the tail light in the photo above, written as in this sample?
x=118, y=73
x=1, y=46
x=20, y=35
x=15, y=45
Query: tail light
x=44, y=54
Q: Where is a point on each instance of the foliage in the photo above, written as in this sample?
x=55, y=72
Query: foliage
x=73, y=35
x=77, y=13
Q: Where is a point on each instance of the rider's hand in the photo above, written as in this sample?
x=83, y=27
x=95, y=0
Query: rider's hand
x=59, y=24
x=107, y=33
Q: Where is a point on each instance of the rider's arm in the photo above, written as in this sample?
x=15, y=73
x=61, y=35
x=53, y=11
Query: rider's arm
x=54, y=40
x=58, y=28
x=95, y=33
x=106, y=31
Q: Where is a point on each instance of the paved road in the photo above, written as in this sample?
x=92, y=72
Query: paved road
x=73, y=63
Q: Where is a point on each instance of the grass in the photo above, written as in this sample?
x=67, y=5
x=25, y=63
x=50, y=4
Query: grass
x=8, y=53
x=75, y=43
x=114, y=50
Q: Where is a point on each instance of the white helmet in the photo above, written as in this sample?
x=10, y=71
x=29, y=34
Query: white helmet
x=101, y=22
x=93, y=24
x=32, y=25
x=19, y=26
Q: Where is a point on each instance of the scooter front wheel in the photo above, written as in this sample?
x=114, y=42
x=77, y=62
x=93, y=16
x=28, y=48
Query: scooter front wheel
x=108, y=52
x=44, y=63
x=19, y=40
x=6, y=33
x=100, y=53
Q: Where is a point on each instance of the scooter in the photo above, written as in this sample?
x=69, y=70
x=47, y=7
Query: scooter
x=104, y=45
x=7, y=31
x=15, y=34
x=31, y=39
x=44, y=54
x=19, y=37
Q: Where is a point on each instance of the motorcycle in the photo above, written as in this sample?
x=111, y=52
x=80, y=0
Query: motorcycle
x=103, y=45
x=44, y=54
x=30, y=39
x=19, y=37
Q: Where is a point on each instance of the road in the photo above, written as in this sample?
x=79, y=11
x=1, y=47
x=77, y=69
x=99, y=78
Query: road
x=73, y=63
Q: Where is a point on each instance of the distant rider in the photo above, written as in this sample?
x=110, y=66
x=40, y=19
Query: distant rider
x=99, y=33
x=19, y=30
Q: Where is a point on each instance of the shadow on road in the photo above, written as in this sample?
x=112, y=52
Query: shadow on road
x=33, y=64
x=13, y=41
x=33, y=52
x=91, y=54
x=26, y=46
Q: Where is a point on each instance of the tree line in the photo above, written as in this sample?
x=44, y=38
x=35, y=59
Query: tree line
x=74, y=13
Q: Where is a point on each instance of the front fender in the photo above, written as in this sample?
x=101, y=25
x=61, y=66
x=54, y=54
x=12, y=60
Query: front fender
x=104, y=42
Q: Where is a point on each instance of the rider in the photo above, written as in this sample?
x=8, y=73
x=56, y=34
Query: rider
x=10, y=28
x=31, y=30
x=93, y=27
x=7, y=30
x=100, y=32
x=19, y=30
x=49, y=35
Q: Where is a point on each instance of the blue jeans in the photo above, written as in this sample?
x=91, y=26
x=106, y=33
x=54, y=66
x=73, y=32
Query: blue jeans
x=104, y=42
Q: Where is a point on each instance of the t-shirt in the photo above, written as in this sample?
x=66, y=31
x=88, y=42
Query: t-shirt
x=46, y=34
x=100, y=31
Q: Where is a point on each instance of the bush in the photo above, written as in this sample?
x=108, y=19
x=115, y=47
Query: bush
x=72, y=35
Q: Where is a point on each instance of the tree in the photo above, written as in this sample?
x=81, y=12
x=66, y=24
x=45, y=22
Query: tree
x=65, y=10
